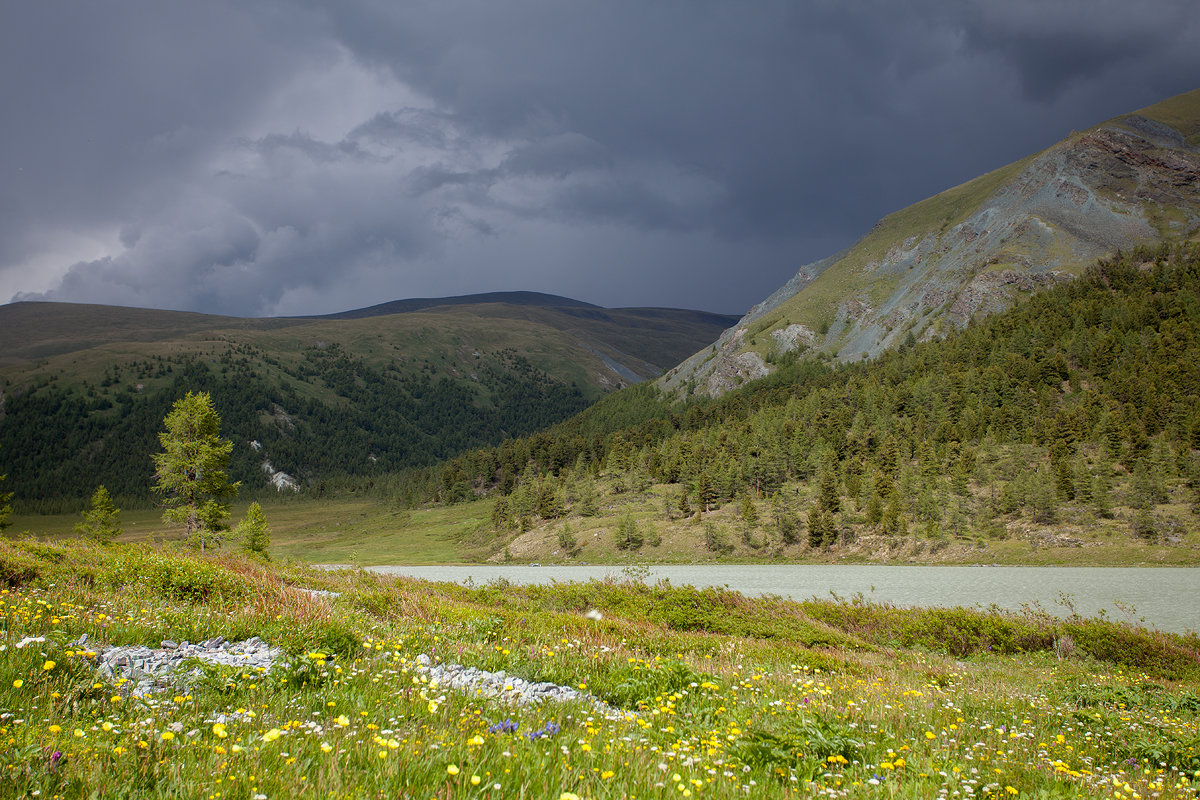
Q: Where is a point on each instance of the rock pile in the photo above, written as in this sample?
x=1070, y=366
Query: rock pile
x=142, y=671
x=146, y=670
x=501, y=686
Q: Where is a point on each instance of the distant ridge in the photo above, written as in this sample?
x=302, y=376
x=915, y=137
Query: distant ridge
x=422, y=303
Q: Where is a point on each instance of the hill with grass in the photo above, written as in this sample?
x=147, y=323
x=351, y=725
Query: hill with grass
x=321, y=401
x=372, y=688
x=1063, y=430
x=973, y=249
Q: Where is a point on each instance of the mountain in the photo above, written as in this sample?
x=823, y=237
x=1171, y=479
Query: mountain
x=973, y=249
x=1064, y=429
x=84, y=388
x=422, y=303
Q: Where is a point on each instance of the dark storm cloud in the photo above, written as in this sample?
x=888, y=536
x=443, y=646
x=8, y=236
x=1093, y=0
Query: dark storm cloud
x=299, y=157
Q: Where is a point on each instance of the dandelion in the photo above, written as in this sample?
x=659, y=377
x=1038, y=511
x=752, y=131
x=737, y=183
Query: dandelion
x=18, y=683
x=55, y=729
x=452, y=769
x=49, y=665
x=219, y=730
x=342, y=721
x=167, y=736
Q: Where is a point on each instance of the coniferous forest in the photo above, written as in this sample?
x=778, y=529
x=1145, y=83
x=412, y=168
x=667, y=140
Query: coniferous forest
x=1077, y=392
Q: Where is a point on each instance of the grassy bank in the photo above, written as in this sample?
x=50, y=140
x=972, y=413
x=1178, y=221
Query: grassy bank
x=721, y=696
x=369, y=532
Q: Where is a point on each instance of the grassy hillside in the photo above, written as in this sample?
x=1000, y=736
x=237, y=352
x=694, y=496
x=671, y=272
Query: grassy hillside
x=85, y=387
x=1070, y=422
x=706, y=693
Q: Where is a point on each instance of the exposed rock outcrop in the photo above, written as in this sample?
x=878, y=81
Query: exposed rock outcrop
x=970, y=251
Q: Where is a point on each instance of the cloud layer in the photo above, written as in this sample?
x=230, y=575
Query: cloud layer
x=309, y=157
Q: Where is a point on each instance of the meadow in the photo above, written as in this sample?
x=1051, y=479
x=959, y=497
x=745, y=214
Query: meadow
x=715, y=695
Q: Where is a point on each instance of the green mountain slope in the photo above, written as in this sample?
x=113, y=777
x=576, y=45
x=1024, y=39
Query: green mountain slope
x=85, y=388
x=1071, y=420
x=973, y=249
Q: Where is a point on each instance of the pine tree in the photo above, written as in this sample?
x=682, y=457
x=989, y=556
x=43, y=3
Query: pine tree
x=874, y=509
x=589, y=504
x=252, y=533
x=500, y=513
x=629, y=536
x=190, y=472
x=830, y=496
x=822, y=530
x=748, y=511
x=787, y=522
x=567, y=541
x=683, y=505
x=100, y=521
x=1042, y=500
x=707, y=492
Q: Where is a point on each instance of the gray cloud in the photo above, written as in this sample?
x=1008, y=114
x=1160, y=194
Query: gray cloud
x=308, y=156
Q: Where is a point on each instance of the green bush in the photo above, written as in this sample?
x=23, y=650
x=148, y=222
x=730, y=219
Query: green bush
x=172, y=577
x=18, y=567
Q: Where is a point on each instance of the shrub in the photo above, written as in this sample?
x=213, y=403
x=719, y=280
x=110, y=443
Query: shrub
x=173, y=577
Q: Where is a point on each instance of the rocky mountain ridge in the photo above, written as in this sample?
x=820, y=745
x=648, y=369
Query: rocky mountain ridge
x=972, y=249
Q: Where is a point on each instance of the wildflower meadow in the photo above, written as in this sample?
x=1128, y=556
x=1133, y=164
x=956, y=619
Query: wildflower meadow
x=683, y=692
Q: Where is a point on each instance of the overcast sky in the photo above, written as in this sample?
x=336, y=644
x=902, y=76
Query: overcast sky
x=267, y=158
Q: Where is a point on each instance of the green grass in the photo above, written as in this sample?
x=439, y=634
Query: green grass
x=368, y=532
x=338, y=531
x=1181, y=112
x=717, y=695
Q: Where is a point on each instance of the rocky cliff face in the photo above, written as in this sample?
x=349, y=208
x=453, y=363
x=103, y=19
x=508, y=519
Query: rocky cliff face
x=972, y=250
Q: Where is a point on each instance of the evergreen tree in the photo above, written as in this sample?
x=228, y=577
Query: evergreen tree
x=589, y=503
x=706, y=492
x=874, y=509
x=190, y=471
x=683, y=505
x=100, y=521
x=1043, y=502
x=822, y=530
x=1101, y=495
x=787, y=522
x=748, y=511
x=1082, y=481
x=629, y=536
x=715, y=540
x=830, y=496
x=567, y=541
x=500, y=513
x=252, y=533
x=893, y=517
x=549, y=503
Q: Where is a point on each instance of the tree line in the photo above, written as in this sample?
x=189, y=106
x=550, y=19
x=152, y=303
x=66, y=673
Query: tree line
x=1035, y=407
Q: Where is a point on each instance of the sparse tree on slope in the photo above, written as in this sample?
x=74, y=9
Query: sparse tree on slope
x=190, y=472
x=100, y=521
x=253, y=533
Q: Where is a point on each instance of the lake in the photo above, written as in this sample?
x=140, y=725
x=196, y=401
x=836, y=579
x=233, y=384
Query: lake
x=1167, y=598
